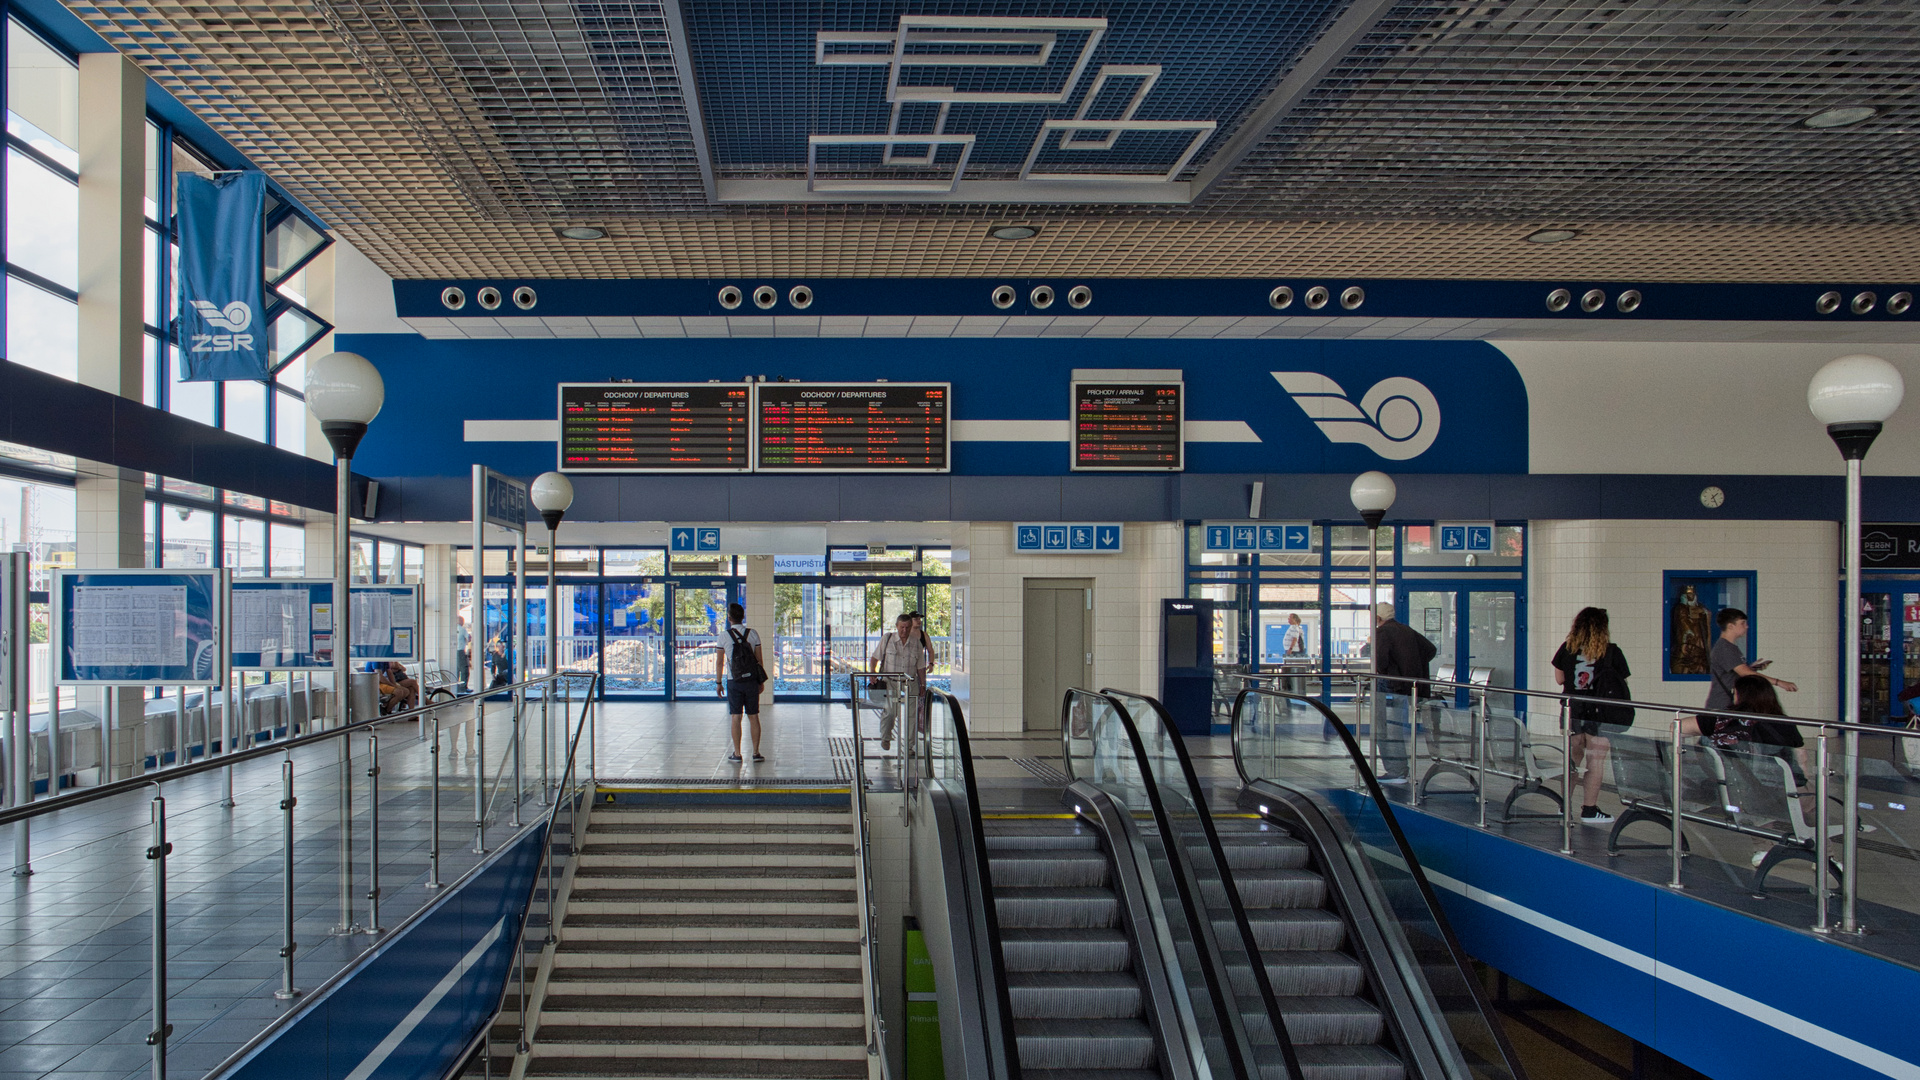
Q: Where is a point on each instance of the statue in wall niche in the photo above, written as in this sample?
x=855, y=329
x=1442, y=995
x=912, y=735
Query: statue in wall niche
x=1690, y=634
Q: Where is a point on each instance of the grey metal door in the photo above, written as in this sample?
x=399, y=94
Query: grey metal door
x=1056, y=646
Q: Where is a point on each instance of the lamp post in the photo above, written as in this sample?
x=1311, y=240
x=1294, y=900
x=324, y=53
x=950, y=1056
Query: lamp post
x=1372, y=494
x=344, y=393
x=552, y=494
x=1853, y=396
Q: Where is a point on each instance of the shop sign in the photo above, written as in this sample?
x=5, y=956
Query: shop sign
x=1890, y=546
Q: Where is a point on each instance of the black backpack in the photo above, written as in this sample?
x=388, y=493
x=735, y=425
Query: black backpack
x=742, y=663
x=1607, y=683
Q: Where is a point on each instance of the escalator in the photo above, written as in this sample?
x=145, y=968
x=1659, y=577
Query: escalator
x=1141, y=926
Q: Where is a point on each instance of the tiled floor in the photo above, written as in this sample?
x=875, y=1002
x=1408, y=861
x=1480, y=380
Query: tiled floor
x=75, y=937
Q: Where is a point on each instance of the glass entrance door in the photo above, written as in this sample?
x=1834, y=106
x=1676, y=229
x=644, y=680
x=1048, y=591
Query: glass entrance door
x=1472, y=629
x=1889, y=650
x=699, y=638
x=579, y=642
x=633, y=654
x=848, y=643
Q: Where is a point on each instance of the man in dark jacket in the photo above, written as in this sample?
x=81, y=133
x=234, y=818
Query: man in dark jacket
x=1400, y=650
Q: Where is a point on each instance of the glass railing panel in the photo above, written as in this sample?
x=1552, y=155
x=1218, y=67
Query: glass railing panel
x=1195, y=842
x=1293, y=743
x=1101, y=751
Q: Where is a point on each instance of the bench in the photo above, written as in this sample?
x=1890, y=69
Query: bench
x=1512, y=752
x=1735, y=790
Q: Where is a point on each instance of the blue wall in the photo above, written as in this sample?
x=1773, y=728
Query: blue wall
x=1729, y=995
x=433, y=386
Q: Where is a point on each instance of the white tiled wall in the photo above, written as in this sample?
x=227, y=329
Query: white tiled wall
x=1618, y=565
x=1127, y=590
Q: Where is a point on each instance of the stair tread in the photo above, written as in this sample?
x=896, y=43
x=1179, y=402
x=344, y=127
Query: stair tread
x=651, y=946
x=707, y=974
x=653, y=1003
x=692, y=1035
x=746, y=1068
x=690, y=896
x=704, y=920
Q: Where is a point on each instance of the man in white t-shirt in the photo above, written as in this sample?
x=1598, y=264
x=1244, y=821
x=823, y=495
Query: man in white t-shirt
x=904, y=653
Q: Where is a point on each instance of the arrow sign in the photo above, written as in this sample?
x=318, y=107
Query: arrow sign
x=683, y=539
x=1299, y=538
x=1106, y=538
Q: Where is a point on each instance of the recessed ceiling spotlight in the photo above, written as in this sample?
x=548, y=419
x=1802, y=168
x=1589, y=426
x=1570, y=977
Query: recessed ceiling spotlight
x=1843, y=116
x=580, y=232
x=1013, y=232
x=1551, y=236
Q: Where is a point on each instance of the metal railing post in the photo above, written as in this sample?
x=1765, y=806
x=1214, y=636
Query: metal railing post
x=1821, y=855
x=179, y=729
x=520, y=969
x=593, y=737
x=480, y=770
x=1566, y=785
x=157, y=854
x=1679, y=836
x=1414, y=705
x=227, y=728
x=347, y=925
x=373, y=835
x=1849, y=838
x=1480, y=758
x=518, y=734
x=546, y=728
x=288, y=946
x=433, y=829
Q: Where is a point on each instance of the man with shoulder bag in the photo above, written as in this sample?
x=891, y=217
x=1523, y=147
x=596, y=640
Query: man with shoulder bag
x=742, y=673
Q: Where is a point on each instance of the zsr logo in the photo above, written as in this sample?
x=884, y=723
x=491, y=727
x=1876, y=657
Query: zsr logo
x=237, y=317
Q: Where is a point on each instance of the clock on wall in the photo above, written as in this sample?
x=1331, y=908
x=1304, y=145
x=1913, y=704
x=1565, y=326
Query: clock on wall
x=1712, y=497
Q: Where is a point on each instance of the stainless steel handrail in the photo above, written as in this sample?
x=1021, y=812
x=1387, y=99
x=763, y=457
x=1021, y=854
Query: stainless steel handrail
x=82, y=796
x=1820, y=729
x=869, y=913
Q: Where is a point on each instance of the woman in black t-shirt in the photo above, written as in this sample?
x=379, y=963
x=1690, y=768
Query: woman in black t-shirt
x=1587, y=664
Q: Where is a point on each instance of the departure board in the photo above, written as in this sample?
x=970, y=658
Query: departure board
x=654, y=427
x=852, y=427
x=1129, y=426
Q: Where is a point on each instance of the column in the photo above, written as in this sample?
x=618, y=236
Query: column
x=111, y=504
x=760, y=612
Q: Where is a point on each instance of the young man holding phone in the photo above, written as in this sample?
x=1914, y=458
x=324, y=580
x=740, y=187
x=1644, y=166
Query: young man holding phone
x=1728, y=661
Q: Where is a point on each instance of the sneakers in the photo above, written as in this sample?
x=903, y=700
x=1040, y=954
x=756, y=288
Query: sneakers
x=734, y=756
x=1397, y=778
x=1593, y=815
x=757, y=757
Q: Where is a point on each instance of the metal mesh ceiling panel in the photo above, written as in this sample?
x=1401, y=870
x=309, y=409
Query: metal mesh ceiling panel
x=1624, y=110
x=548, y=111
x=294, y=93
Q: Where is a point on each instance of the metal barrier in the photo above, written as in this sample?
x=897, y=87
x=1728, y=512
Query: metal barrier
x=160, y=849
x=869, y=908
x=1671, y=733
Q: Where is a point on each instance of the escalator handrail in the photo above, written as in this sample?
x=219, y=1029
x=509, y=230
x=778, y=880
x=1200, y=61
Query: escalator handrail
x=1006, y=1048
x=1240, y=921
x=1401, y=848
x=1239, y=1050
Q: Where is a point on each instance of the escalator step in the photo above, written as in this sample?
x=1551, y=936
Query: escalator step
x=1085, y=1044
x=1090, y=1074
x=1091, y=949
x=1001, y=838
x=1281, y=889
x=1074, y=995
x=1051, y=868
x=1349, y=1063
x=1018, y=908
x=1303, y=974
x=1290, y=929
x=1331, y=1021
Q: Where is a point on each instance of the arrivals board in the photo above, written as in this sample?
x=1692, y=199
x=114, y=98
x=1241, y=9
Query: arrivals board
x=1133, y=427
x=654, y=427
x=852, y=427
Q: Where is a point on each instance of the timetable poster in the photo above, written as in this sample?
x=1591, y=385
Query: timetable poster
x=654, y=427
x=137, y=627
x=281, y=624
x=852, y=427
x=385, y=622
x=1136, y=427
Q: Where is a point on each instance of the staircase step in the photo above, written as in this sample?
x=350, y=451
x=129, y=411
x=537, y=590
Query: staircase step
x=644, y=1008
x=743, y=957
x=734, y=944
x=684, y=832
x=686, y=922
x=605, y=817
x=701, y=1035
x=608, y=852
x=649, y=876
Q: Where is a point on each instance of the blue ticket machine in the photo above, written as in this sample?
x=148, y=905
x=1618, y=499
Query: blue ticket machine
x=1186, y=664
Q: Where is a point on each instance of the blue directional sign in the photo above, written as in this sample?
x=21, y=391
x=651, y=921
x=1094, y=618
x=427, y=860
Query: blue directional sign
x=1069, y=537
x=1259, y=536
x=682, y=538
x=707, y=540
x=1465, y=537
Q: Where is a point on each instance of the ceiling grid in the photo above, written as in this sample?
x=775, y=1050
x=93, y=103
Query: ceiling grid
x=445, y=139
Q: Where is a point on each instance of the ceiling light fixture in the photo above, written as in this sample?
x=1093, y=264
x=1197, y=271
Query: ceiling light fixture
x=580, y=232
x=1843, y=116
x=1013, y=232
x=1551, y=236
